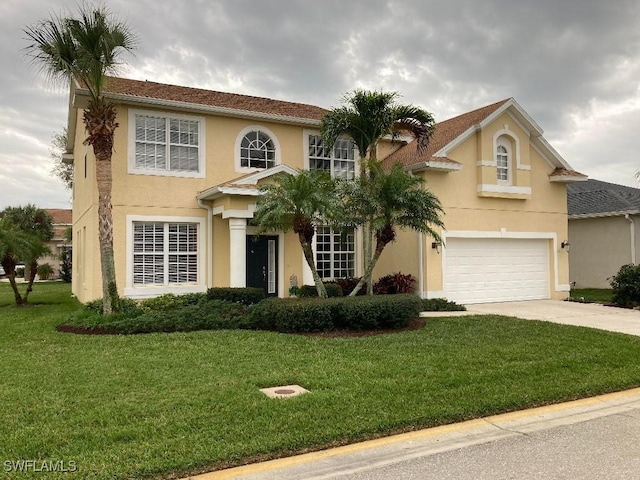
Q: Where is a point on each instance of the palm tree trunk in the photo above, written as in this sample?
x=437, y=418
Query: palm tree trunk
x=369, y=271
x=33, y=270
x=100, y=120
x=14, y=287
x=308, y=255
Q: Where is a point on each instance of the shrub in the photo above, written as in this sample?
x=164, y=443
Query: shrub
x=441, y=305
x=45, y=271
x=170, y=301
x=394, y=283
x=20, y=272
x=204, y=315
x=126, y=306
x=333, y=290
x=209, y=315
x=322, y=315
x=348, y=284
x=626, y=286
x=245, y=296
x=65, y=264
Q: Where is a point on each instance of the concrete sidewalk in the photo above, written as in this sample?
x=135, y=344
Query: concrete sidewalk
x=569, y=313
x=383, y=452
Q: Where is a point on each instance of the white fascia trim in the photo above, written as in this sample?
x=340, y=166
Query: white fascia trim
x=446, y=166
x=215, y=192
x=198, y=108
x=567, y=178
x=237, y=214
x=503, y=233
x=131, y=142
x=504, y=189
x=151, y=291
x=550, y=155
x=603, y=215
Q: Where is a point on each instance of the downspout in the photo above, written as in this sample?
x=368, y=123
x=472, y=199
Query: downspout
x=421, y=264
x=632, y=227
x=209, y=242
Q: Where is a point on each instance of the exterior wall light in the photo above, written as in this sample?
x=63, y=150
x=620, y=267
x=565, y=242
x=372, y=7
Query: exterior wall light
x=566, y=245
x=436, y=246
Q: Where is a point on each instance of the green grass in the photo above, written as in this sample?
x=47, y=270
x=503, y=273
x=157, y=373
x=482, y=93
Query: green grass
x=148, y=406
x=598, y=295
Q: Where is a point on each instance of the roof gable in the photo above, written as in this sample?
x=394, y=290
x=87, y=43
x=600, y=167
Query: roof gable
x=597, y=198
x=451, y=133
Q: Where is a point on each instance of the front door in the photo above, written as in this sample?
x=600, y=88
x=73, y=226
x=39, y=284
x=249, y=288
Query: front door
x=262, y=263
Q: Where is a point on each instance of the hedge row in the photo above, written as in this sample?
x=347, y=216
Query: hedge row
x=348, y=313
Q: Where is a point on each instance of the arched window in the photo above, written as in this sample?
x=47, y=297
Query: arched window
x=257, y=150
x=503, y=160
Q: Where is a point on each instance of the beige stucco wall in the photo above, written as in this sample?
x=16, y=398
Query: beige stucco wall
x=599, y=247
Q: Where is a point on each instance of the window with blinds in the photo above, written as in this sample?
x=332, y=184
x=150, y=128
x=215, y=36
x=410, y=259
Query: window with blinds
x=166, y=144
x=165, y=253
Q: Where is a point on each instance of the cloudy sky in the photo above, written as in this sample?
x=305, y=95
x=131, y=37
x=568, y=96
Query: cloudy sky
x=573, y=65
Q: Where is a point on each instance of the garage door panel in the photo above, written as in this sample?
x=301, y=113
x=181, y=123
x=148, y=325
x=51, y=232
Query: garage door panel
x=479, y=270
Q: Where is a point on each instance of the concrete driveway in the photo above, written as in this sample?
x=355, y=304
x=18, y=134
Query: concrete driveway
x=570, y=313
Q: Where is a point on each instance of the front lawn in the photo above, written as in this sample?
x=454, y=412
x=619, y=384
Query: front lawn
x=146, y=406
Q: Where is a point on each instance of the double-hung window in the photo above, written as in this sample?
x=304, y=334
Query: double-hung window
x=165, y=253
x=339, y=162
x=166, y=145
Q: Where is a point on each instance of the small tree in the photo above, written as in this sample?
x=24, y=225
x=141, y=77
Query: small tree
x=367, y=117
x=65, y=264
x=300, y=203
x=387, y=201
x=23, y=233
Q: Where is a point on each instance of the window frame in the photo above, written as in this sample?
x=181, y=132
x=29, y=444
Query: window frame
x=333, y=159
x=168, y=116
x=133, y=290
x=506, y=144
x=238, y=145
x=333, y=252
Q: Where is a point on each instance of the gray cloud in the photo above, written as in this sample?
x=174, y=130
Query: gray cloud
x=573, y=65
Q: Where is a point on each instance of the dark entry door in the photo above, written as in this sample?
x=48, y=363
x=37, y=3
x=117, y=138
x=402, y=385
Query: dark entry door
x=262, y=263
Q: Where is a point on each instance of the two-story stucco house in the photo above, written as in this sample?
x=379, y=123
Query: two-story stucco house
x=188, y=163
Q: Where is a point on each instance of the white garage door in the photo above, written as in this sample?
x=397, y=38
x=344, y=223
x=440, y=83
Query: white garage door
x=481, y=270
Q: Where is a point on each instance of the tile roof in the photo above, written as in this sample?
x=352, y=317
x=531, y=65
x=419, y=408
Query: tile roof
x=60, y=216
x=160, y=91
x=597, y=197
x=445, y=133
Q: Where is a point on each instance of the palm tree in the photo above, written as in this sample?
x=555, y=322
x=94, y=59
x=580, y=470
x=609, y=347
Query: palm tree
x=23, y=233
x=367, y=117
x=87, y=48
x=390, y=200
x=300, y=203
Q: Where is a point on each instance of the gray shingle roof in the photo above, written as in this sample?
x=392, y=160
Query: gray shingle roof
x=596, y=197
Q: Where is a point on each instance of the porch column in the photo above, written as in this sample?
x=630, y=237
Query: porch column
x=238, y=252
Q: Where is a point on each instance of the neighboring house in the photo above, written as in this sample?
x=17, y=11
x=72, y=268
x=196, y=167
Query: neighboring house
x=61, y=222
x=188, y=163
x=604, y=231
